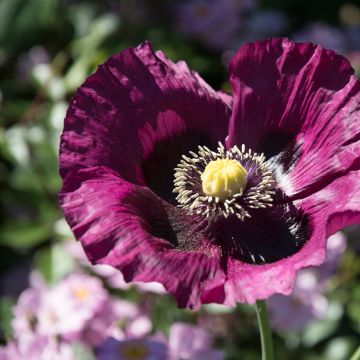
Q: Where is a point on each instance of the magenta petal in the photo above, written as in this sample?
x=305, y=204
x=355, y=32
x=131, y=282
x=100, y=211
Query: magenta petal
x=135, y=100
x=130, y=228
x=301, y=100
x=337, y=205
x=329, y=210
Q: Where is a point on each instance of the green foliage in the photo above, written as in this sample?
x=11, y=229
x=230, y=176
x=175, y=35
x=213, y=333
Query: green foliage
x=6, y=303
x=54, y=263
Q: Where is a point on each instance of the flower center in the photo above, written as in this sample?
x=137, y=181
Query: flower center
x=134, y=350
x=81, y=293
x=223, y=182
x=223, y=178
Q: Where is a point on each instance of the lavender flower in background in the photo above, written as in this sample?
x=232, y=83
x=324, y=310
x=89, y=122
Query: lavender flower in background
x=308, y=301
x=345, y=40
x=100, y=326
x=113, y=277
x=264, y=24
x=211, y=21
x=36, y=347
x=186, y=342
x=330, y=37
x=27, y=62
x=305, y=304
x=335, y=248
x=76, y=309
x=349, y=15
x=132, y=349
x=28, y=305
x=259, y=25
x=132, y=321
x=25, y=312
x=78, y=294
x=353, y=38
x=190, y=342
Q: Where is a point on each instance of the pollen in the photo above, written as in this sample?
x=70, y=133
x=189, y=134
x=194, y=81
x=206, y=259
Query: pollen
x=223, y=178
x=81, y=293
x=224, y=183
x=134, y=351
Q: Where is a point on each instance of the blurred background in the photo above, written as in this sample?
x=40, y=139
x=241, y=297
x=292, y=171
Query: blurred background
x=51, y=300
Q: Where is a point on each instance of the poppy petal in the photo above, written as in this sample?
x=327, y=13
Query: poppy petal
x=329, y=210
x=130, y=228
x=131, y=104
x=300, y=104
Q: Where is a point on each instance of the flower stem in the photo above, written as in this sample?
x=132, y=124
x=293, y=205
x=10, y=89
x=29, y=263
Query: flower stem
x=265, y=330
x=356, y=355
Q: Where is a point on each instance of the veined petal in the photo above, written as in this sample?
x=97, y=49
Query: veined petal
x=128, y=227
x=329, y=210
x=137, y=100
x=300, y=103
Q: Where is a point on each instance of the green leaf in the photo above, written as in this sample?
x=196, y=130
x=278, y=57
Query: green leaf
x=54, y=263
x=82, y=353
x=321, y=329
x=25, y=22
x=6, y=304
x=340, y=348
x=24, y=234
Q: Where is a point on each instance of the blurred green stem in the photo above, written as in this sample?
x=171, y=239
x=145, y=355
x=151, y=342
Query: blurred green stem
x=265, y=330
x=356, y=355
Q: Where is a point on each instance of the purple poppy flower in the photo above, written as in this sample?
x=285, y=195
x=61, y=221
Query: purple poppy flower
x=245, y=214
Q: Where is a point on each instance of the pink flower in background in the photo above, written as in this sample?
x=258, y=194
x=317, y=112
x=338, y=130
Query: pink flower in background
x=186, y=342
x=113, y=277
x=189, y=342
x=133, y=349
x=131, y=322
x=25, y=311
x=141, y=132
x=335, y=248
x=308, y=300
x=80, y=295
x=36, y=347
x=78, y=308
x=100, y=326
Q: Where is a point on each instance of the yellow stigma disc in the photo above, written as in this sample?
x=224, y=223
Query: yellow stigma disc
x=223, y=178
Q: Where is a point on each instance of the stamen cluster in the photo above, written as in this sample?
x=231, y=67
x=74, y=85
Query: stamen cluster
x=258, y=192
